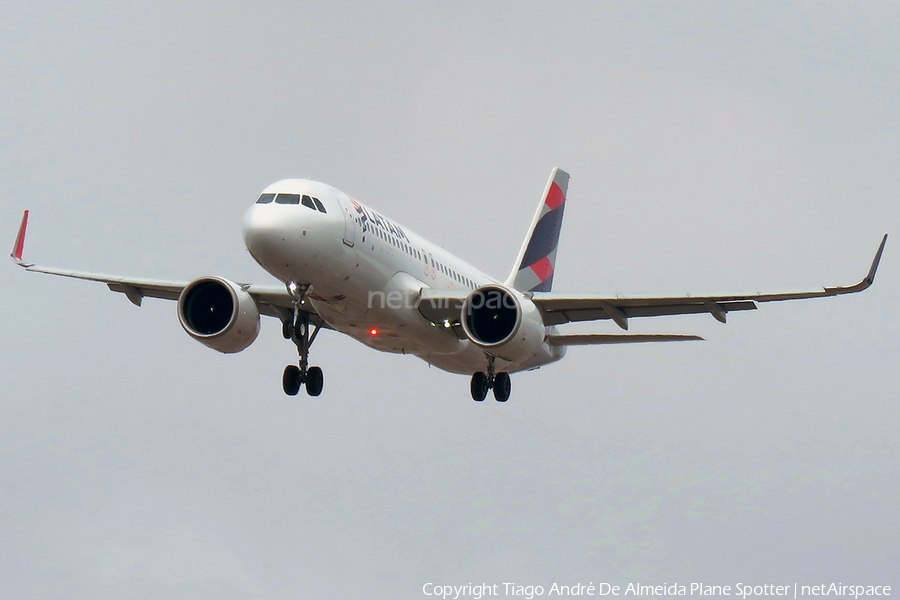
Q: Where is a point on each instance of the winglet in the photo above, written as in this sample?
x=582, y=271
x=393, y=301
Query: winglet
x=19, y=246
x=862, y=285
x=870, y=278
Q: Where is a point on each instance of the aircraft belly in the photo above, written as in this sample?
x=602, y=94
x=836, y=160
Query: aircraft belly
x=389, y=321
x=473, y=359
x=403, y=331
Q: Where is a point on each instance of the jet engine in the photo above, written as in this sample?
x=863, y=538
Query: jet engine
x=506, y=324
x=218, y=313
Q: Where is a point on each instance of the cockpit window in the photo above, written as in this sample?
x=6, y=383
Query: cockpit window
x=305, y=200
x=287, y=199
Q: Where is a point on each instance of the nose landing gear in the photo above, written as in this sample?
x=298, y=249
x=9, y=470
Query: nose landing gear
x=298, y=331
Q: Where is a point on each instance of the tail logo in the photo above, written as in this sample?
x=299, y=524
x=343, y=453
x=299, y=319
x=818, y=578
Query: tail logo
x=535, y=271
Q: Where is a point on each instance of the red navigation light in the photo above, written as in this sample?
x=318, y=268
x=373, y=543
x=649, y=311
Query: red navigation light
x=373, y=332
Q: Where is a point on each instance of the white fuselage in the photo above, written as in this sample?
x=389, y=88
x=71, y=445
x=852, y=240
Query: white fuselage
x=365, y=273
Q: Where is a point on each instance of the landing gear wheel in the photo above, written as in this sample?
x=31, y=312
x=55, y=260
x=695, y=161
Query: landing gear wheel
x=315, y=381
x=286, y=328
x=479, y=386
x=502, y=387
x=291, y=380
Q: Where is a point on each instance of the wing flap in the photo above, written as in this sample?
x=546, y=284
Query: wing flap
x=560, y=311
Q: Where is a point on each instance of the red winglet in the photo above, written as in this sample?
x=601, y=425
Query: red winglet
x=20, y=239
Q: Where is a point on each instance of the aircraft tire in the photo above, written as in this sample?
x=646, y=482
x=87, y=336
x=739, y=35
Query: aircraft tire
x=502, y=387
x=479, y=386
x=291, y=380
x=315, y=381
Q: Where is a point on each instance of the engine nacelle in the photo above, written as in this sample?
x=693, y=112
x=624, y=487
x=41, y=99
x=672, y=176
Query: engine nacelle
x=507, y=325
x=218, y=313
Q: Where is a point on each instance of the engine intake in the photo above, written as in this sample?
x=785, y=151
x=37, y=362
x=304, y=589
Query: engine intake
x=491, y=316
x=218, y=313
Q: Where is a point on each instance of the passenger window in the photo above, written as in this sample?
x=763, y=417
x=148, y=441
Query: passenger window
x=287, y=199
x=265, y=198
x=319, y=205
x=307, y=202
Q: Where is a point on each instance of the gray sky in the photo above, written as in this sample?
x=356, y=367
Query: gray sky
x=728, y=147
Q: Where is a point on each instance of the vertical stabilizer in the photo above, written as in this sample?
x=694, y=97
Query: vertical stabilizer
x=533, y=271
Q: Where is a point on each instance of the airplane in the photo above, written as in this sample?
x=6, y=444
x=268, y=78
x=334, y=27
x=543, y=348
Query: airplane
x=348, y=268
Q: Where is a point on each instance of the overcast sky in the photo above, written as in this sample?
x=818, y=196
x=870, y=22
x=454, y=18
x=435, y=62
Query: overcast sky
x=713, y=147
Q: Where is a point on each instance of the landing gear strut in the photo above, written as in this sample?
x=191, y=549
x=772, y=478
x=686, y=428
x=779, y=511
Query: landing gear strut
x=297, y=330
x=483, y=381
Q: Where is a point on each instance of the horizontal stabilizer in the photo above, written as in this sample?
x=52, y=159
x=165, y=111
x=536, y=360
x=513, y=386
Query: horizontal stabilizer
x=592, y=339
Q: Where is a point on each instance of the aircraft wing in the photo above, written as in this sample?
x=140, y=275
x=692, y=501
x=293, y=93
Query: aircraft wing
x=444, y=306
x=272, y=300
x=563, y=308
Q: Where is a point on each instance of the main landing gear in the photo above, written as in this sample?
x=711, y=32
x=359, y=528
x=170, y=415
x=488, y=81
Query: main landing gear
x=295, y=376
x=482, y=382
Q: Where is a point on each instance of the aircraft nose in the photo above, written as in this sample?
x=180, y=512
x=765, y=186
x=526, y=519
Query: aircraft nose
x=288, y=234
x=266, y=234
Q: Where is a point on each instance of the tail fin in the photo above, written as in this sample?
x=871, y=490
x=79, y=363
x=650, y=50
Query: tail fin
x=533, y=271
